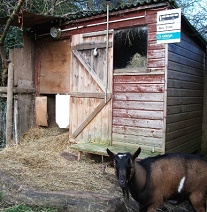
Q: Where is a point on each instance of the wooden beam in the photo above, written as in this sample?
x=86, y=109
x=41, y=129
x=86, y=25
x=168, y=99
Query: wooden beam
x=89, y=118
x=89, y=95
x=100, y=33
x=88, y=46
x=9, y=110
x=17, y=90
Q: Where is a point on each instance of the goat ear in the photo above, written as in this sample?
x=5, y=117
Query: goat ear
x=136, y=154
x=110, y=153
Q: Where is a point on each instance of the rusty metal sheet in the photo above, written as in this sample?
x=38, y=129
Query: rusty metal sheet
x=41, y=111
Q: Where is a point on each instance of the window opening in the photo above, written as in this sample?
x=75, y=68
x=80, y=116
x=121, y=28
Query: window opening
x=130, y=49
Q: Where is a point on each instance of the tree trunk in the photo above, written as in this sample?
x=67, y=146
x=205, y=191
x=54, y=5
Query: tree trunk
x=3, y=36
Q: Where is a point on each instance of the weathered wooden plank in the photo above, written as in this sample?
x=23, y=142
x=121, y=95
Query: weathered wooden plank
x=18, y=90
x=130, y=130
x=139, y=79
x=134, y=105
x=181, y=51
x=153, y=54
x=144, y=147
x=151, y=97
x=89, y=46
x=54, y=62
x=9, y=101
x=89, y=95
x=185, y=93
x=188, y=43
x=120, y=139
x=184, y=60
x=26, y=113
x=184, y=116
x=188, y=146
x=100, y=33
x=152, y=42
x=154, y=124
x=24, y=61
x=177, y=68
x=185, y=77
x=41, y=111
x=141, y=88
x=186, y=138
x=156, y=63
x=139, y=114
x=177, y=84
x=183, y=131
x=133, y=139
x=183, y=108
x=182, y=124
x=184, y=100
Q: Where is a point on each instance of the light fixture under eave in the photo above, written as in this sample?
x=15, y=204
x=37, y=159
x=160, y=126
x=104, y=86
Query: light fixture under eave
x=55, y=32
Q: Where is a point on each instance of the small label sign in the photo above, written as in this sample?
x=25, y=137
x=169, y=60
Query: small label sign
x=168, y=26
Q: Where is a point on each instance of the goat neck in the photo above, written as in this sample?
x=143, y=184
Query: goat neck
x=140, y=174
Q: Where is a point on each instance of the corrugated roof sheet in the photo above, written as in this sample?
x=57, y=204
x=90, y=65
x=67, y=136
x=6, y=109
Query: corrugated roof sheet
x=85, y=14
x=31, y=19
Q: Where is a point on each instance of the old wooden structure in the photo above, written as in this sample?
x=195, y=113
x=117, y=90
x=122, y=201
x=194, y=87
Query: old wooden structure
x=124, y=88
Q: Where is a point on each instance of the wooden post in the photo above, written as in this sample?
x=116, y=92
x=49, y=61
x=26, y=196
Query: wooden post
x=9, y=109
x=204, y=131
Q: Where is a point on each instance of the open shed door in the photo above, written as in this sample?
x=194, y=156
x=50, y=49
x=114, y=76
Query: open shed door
x=41, y=111
x=91, y=87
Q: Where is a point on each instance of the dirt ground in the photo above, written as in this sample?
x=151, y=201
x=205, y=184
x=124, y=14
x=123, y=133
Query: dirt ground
x=43, y=161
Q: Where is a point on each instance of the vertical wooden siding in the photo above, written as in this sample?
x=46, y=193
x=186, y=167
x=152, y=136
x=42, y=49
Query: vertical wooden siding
x=24, y=78
x=185, y=96
x=86, y=95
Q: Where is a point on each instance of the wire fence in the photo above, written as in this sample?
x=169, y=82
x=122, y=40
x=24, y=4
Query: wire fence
x=22, y=117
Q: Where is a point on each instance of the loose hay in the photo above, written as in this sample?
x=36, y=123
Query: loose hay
x=39, y=162
x=43, y=161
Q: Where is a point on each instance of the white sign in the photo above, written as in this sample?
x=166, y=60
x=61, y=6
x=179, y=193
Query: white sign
x=62, y=110
x=168, y=26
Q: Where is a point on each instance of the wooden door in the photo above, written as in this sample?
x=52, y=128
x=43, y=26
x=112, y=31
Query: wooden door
x=91, y=87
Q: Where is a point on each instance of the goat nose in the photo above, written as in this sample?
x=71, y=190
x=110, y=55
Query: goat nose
x=122, y=183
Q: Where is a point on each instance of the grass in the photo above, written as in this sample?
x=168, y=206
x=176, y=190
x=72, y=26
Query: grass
x=5, y=207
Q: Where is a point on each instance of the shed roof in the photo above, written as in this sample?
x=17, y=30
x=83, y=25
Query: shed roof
x=85, y=14
x=32, y=19
x=28, y=19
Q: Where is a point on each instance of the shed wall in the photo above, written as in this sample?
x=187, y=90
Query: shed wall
x=185, y=96
x=139, y=99
x=23, y=59
x=138, y=108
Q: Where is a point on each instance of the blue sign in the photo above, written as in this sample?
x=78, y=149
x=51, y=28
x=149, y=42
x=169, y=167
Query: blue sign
x=168, y=36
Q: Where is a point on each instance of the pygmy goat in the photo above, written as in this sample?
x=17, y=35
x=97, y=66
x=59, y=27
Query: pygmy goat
x=153, y=180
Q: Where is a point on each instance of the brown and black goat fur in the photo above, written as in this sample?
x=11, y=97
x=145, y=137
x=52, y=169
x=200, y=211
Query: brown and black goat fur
x=151, y=181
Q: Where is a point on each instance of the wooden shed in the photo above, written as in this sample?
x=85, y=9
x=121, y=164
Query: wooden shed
x=124, y=89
